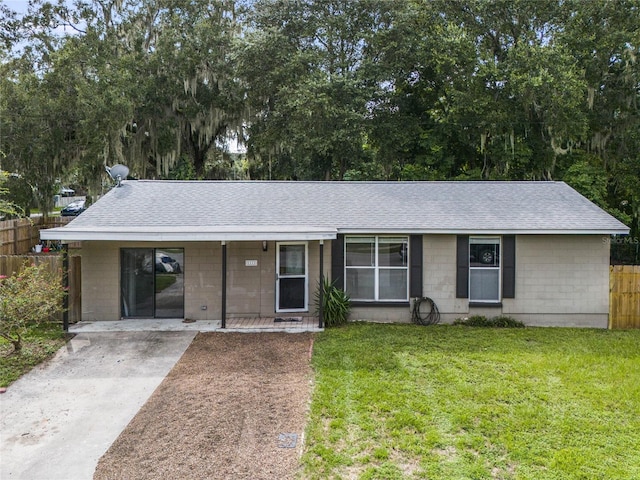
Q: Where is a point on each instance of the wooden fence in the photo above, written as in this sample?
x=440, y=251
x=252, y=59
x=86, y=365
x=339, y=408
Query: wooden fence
x=624, y=296
x=10, y=264
x=18, y=237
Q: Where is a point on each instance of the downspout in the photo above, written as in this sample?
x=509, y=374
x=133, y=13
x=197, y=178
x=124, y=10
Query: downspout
x=320, y=309
x=224, y=284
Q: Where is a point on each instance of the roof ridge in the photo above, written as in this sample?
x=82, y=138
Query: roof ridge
x=357, y=182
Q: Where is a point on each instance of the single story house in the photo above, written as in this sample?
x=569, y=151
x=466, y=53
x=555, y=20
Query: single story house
x=212, y=250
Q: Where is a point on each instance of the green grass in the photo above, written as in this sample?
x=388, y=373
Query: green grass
x=164, y=280
x=444, y=402
x=39, y=344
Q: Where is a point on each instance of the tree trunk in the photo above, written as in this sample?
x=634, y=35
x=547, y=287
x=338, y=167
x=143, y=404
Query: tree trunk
x=16, y=342
x=198, y=155
x=199, y=159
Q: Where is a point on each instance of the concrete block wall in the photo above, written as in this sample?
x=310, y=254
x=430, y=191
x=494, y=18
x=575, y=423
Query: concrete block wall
x=439, y=274
x=560, y=280
x=100, y=281
x=202, y=280
x=381, y=314
x=250, y=289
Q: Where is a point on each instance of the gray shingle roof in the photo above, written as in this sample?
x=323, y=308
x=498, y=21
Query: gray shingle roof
x=220, y=209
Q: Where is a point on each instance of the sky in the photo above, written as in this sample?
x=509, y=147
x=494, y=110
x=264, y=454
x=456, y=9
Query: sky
x=19, y=6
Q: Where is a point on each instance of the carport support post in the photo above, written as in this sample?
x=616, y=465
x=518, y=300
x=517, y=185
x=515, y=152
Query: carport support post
x=224, y=284
x=321, y=294
x=65, y=285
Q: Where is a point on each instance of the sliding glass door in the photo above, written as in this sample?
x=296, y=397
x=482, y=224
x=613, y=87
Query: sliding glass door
x=152, y=282
x=136, y=282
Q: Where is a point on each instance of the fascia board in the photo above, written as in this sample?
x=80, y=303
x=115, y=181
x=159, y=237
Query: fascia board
x=458, y=231
x=282, y=234
x=75, y=235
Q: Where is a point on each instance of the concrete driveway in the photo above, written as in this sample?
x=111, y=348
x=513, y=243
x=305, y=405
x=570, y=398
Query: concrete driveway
x=59, y=419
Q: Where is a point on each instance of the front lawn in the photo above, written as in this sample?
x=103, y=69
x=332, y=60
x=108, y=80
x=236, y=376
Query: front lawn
x=40, y=343
x=445, y=402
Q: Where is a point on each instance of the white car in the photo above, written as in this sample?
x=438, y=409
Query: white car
x=73, y=209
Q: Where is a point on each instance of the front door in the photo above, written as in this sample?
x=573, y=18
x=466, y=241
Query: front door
x=152, y=282
x=291, y=277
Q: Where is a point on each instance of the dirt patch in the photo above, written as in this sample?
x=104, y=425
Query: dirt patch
x=233, y=407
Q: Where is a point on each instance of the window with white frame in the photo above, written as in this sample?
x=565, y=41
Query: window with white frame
x=484, y=269
x=376, y=268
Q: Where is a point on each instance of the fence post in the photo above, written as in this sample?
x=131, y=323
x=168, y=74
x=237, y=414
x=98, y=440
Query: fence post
x=65, y=284
x=612, y=279
x=15, y=237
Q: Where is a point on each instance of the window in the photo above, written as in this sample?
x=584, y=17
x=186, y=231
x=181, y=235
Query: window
x=484, y=269
x=376, y=268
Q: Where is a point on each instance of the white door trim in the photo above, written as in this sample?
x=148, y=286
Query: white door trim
x=305, y=276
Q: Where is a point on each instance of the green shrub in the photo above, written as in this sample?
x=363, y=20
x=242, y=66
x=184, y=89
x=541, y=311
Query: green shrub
x=473, y=321
x=28, y=298
x=336, y=305
x=505, y=321
x=501, y=321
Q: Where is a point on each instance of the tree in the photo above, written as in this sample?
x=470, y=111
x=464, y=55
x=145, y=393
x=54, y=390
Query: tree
x=419, y=61
x=605, y=39
x=494, y=95
x=140, y=83
x=28, y=298
x=36, y=123
x=188, y=97
x=512, y=90
x=331, y=89
x=38, y=113
x=304, y=63
x=7, y=207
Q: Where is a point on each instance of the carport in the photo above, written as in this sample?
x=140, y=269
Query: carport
x=292, y=282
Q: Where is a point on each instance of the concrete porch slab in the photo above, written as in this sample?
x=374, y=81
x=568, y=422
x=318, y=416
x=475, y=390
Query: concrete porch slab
x=242, y=325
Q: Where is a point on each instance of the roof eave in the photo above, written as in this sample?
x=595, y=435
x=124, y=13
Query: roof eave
x=72, y=235
x=67, y=234
x=487, y=231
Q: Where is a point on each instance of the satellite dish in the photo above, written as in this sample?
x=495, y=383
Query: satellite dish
x=118, y=172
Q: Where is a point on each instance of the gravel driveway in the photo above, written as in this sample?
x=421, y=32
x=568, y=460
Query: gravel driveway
x=233, y=407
